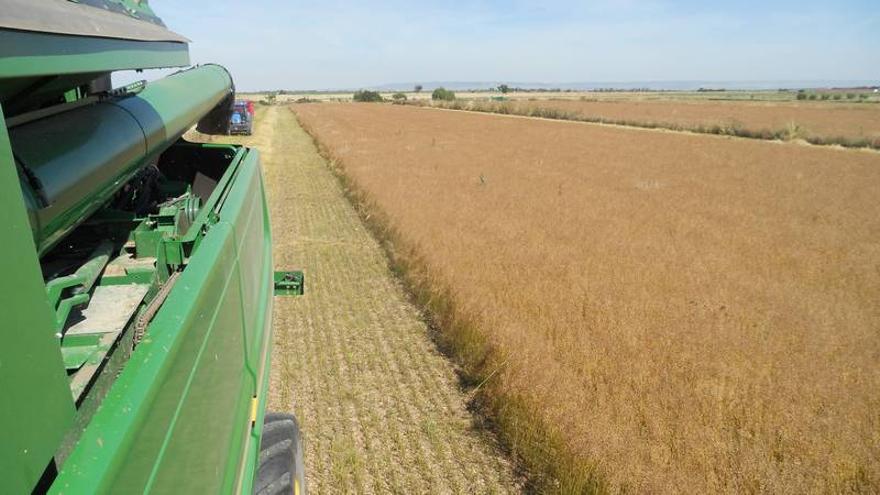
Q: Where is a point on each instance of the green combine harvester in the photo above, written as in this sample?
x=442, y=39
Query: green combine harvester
x=137, y=286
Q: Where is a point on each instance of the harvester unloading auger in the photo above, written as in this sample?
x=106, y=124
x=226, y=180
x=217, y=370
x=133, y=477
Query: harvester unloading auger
x=137, y=269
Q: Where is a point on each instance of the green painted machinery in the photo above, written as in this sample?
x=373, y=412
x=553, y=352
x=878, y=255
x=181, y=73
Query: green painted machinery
x=137, y=287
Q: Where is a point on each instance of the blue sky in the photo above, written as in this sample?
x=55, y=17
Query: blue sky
x=343, y=44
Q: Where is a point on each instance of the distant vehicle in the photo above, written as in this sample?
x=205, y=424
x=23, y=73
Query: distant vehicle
x=242, y=119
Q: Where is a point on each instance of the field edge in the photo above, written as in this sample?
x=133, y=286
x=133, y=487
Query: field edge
x=538, y=451
x=792, y=133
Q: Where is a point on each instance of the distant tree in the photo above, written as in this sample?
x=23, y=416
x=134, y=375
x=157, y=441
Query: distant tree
x=398, y=97
x=442, y=94
x=504, y=88
x=850, y=96
x=367, y=96
x=801, y=95
x=418, y=88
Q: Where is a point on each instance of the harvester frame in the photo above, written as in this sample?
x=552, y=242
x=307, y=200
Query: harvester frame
x=138, y=278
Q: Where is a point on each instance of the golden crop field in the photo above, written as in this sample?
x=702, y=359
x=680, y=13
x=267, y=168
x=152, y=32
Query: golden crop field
x=852, y=124
x=819, y=119
x=649, y=312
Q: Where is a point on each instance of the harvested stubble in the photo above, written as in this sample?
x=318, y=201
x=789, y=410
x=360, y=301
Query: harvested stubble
x=851, y=125
x=381, y=411
x=661, y=312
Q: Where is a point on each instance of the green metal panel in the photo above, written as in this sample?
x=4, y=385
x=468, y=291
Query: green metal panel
x=138, y=9
x=37, y=407
x=30, y=54
x=254, y=248
x=289, y=283
x=261, y=331
x=52, y=50
x=178, y=419
x=123, y=19
x=183, y=414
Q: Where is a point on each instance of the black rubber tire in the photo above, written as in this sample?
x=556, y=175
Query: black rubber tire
x=281, y=469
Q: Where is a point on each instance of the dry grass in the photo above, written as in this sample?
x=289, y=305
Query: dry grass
x=381, y=409
x=652, y=312
x=849, y=125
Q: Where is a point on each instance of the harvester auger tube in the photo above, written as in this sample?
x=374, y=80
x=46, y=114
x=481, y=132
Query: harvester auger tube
x=137, y=287
x=114, y=138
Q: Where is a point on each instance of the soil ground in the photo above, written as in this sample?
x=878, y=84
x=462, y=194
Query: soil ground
x=380, y=408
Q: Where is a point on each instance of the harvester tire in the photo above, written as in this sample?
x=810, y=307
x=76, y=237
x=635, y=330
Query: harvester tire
x=281, y=469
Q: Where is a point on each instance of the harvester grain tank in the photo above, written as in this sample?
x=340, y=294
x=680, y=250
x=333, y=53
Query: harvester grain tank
x=138, y=278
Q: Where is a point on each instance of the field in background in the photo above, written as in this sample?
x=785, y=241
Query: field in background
x=750, y=96
x=648, y=311
x=835, y=122
x=849, y=118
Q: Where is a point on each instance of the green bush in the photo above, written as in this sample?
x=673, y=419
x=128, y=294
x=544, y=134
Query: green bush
x=367, y=96
x=398, y=97
x=825, y=96
x=801, y=95
x=812, y=97
x=850, y=96
x=837, y=96
x=442, y=94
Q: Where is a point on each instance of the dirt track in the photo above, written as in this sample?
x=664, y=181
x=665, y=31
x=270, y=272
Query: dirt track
x=380, y=408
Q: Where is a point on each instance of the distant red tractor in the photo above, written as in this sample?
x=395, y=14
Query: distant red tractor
x=242, y=119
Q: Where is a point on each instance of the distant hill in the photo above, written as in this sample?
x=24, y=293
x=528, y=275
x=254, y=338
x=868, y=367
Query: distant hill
x=590, y=86
x=654, y=85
